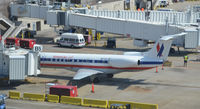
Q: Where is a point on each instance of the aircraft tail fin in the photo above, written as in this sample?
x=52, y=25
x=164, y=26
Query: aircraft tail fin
x=162, y=47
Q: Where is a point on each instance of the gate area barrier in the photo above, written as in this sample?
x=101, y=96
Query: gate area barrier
x=134, y=105
x=37, y=97
x=71, y=100
x=14, y=95
x=95, y=103
x=53, y=98
x=82, y=102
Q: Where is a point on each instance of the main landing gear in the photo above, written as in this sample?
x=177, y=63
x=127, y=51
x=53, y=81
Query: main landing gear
x=96, y=79
x=109, y=75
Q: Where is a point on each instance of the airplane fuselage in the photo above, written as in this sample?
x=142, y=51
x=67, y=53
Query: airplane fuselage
x=102, y=62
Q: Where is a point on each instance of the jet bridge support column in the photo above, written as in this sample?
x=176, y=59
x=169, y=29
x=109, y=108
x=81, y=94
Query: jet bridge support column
x=33, y=63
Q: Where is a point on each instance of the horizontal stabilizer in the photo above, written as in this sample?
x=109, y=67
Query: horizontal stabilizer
x=169, y=37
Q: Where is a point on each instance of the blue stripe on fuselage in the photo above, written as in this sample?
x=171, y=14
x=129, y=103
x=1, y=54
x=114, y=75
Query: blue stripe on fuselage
x=150, y=62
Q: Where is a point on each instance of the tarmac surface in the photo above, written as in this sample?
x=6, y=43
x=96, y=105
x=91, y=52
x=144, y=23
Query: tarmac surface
x=175, y=87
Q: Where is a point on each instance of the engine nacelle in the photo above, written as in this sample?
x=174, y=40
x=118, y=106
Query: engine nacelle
x=123, y=62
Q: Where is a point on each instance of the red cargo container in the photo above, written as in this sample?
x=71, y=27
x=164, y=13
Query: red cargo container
x=12, y=41
x=62, y=90
x=27, y=43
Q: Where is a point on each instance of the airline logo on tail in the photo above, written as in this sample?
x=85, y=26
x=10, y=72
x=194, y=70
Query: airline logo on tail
x=159, y=49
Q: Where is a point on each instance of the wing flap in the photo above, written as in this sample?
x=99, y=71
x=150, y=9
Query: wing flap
x=83, y=73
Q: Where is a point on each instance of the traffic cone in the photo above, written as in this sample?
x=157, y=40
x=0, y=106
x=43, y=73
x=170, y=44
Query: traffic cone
x=142, y=9
x=162, y=67
x=156, y=69
x=138, y=9
x=92, y=87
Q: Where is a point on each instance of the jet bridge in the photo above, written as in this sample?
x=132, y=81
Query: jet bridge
x=16, y=64
x=139, y=25
x=136, y=29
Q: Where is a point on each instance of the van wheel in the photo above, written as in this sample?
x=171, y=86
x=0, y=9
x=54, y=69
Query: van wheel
x=72, y=46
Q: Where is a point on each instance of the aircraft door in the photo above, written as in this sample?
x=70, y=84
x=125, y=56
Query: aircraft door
x=138, y=63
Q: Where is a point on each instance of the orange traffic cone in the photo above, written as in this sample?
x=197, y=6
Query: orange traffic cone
x=138, y=9
x=162, y=67
x=92, y=87
x=142, y=9
x=156, y=69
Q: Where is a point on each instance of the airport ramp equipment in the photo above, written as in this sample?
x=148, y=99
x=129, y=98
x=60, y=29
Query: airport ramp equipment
x=8, y=28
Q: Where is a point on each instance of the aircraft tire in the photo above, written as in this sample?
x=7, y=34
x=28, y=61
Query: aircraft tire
x=109, y=75
x=172, y=50
x=96, y=80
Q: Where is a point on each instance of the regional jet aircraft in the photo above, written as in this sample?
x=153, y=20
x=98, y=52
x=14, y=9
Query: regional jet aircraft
x=91, y=65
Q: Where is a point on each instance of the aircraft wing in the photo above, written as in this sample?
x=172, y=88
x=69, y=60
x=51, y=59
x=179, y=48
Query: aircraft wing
x=83, y=73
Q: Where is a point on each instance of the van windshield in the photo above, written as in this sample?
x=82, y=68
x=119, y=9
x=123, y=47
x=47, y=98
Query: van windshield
x=81, y=40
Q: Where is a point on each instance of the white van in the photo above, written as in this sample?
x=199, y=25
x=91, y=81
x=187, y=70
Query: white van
x=163, y=3
x=72, y=40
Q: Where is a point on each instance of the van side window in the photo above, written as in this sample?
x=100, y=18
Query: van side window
x=66, y=39
x=76, y=40
x=72, y=40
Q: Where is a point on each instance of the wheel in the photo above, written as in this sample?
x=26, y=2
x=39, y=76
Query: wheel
x=172, y=50
x=110, y=75
x=72, y=46
x=96, y=80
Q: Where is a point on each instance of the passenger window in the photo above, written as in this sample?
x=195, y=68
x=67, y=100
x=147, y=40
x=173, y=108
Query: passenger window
x=62, y=60
x=54, y=59
x=58, y=60
x=75, y=60
x=80, y=60
x=105, y=61
x=90, y=61
x=41, y=59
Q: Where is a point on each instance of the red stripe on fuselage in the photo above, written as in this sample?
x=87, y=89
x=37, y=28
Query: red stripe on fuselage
x=100, y=67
